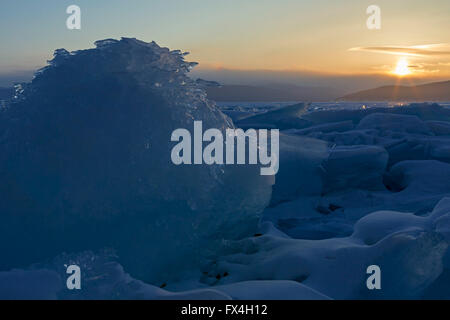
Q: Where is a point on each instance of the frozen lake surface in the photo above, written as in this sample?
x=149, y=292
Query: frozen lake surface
x=88, y=181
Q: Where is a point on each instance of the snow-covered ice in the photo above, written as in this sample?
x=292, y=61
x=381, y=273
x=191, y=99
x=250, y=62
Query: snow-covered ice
x=87, y=180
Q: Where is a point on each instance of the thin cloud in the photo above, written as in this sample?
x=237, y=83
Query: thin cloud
x=441, y=49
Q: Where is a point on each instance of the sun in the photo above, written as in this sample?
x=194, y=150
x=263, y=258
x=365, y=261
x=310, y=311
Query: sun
x=402, y=68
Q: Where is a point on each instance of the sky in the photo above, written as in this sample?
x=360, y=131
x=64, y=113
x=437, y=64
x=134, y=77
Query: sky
x=299, y=41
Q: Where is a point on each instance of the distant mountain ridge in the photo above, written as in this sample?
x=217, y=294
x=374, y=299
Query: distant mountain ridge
x=269, y=93
x=435, y=91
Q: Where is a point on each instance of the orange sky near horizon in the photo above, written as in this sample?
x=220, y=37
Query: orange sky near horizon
x=332, y=38
x=325, y=37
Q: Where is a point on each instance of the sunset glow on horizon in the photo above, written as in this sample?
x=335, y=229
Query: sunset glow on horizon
x=321, y=37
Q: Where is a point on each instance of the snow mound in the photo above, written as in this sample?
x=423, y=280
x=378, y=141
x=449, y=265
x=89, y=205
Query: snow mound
x=355, y=167
x=394, y=122
x=271, y=290
x=104, y=278
x=300, y=167
x=439, y=128
x=419, y=177
x=408, y=249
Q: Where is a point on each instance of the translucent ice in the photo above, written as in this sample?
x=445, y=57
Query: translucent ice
x=85, y=164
